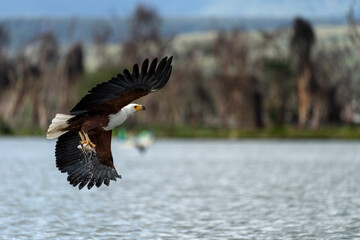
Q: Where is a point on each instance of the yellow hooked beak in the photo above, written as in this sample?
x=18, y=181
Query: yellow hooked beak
x=139, y=107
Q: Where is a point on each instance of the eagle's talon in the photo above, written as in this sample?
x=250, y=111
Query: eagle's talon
x=86, y=143
x=86, y=147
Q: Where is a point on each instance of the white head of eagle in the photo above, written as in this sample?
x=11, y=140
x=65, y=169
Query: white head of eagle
x=118, y=118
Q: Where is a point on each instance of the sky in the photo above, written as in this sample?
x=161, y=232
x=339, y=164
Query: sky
x=182, y=8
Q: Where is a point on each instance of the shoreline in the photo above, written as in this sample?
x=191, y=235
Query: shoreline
x=286, y=133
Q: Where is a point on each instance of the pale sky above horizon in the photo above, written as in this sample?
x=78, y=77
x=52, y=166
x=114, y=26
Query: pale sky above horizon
x=184, y=8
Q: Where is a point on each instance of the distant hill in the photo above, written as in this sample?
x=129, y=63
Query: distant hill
x=67, y=30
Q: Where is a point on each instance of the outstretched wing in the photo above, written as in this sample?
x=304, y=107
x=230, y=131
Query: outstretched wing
x=109, y=97
x=86, y=169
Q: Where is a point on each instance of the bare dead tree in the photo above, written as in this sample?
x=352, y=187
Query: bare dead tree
x=353, y=24
x=70, y=74
x=101, y=34
x=45, y=89
x=239, y=87
x=8, y=79
x=7, y=70
x=279, y=89
x=320, y=90
x=4, y=40
x=71, y=30
x=144, y=24
x=302, y=43
x=48, y=50
x=345, y=89
x=35, y=88
x=144, y=35
x=333, y=91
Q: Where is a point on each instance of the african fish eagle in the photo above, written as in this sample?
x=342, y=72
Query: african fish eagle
x=83, y=148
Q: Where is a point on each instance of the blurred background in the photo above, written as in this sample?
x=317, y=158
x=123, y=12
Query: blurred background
x=241, y=69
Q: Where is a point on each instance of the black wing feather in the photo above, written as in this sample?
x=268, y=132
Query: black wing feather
x=147, y=81
x=153, y=67
x=136, y=71
x=82, y=169
x=144, y=68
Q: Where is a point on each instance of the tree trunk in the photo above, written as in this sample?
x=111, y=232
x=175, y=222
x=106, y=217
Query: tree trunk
x=304, y=96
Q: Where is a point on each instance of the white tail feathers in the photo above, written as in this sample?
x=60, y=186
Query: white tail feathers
x=57, y=126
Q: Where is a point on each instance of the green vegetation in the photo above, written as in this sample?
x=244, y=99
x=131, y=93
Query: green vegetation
x=333, y=132
x=4, y=128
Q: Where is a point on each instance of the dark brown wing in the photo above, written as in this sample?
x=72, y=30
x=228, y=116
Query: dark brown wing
x=102, y=140
x=86, y=169
x=109, y=97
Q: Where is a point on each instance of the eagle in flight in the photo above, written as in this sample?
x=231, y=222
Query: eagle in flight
x=83, y=148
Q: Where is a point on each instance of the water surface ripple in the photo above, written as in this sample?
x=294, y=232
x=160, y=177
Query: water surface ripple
x=187, y=190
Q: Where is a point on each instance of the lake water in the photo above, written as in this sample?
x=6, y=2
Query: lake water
x=187, y=190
